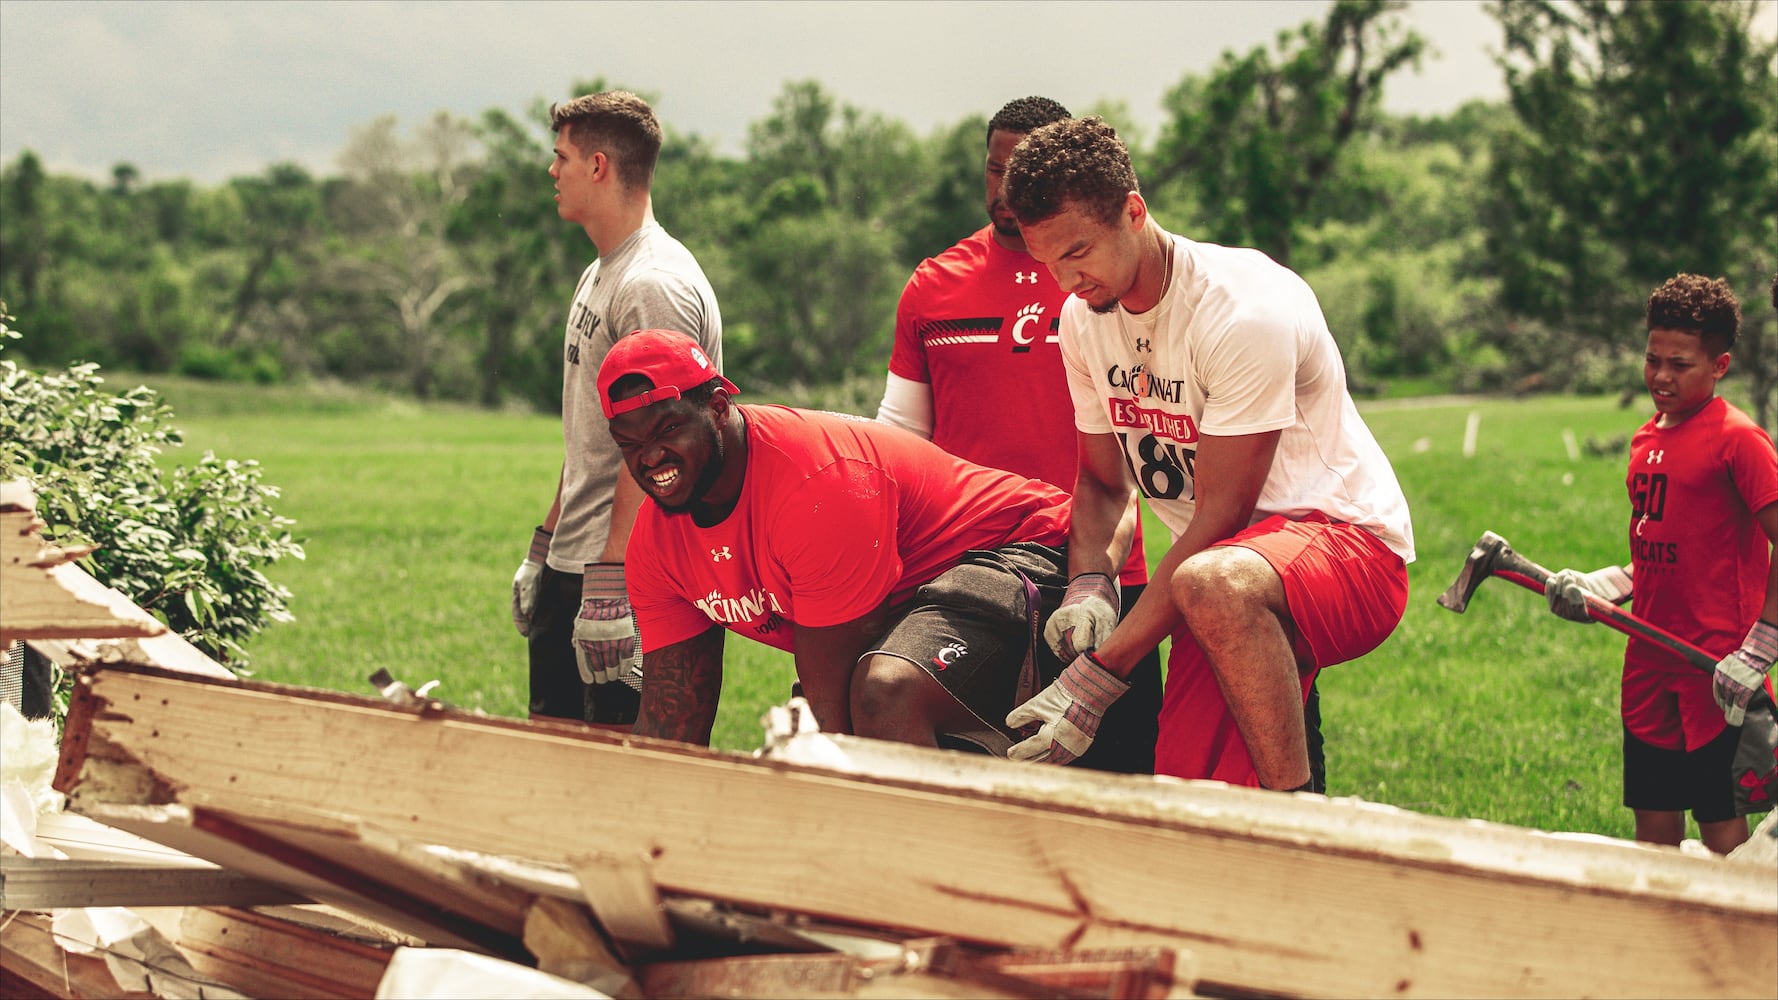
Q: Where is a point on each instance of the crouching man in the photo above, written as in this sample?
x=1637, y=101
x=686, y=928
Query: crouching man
x=908, y=583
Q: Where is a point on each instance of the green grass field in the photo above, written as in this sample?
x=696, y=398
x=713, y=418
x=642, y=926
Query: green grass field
x=414, y=518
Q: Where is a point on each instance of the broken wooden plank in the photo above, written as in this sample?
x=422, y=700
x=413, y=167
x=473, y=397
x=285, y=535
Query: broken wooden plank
x=1273, y=893
x=623, y=897
x=565, y=942
x=264, y=956
x=59, y=884
x=33, y=964
x=340, y=862
x=1127, y=973
x=66, y=614
x=44, y=596
x=922, y=968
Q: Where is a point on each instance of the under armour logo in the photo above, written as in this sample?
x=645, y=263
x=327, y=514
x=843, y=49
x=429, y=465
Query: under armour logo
x=1024, y=277
x=1654, y=457
x=1142, y=344
x=718, y=555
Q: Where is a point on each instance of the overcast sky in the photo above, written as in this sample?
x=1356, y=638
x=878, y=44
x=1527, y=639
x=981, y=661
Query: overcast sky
x=214, y=90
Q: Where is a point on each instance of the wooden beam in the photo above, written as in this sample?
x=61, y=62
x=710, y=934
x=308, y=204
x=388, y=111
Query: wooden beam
x=263, y=956
x=1272, y=893
x=44, y=596
x=57, y=884
x=345, y=864
x=924, y=968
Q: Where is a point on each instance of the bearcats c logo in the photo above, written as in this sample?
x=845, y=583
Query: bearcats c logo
x=1028, y=316
x=950, y=653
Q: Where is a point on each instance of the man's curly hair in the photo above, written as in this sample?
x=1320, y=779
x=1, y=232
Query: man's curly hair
x=1078, y=161
x=1025, y=115
x=1698, y=305
x=621, y=124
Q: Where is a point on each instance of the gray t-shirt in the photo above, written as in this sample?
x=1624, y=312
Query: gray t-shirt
x=649, y=282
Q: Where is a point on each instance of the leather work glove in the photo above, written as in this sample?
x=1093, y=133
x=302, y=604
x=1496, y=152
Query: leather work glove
x=1069, y=711
x=1743, y=672
x=605, y=631
x=1087, y=615
x=1566, y=592
x=525, y=582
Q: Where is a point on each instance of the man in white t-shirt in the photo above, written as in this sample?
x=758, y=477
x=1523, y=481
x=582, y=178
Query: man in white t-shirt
x=1204, y=376
x=568, y=596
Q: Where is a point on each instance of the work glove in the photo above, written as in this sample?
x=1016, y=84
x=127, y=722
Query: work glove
x=1069, y=711
x=1743, y=672
x=525, y=582
x=605, y=631
x=1567, y=589
x=1087, y=615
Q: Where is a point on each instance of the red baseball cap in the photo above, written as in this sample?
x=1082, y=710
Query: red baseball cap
x=671, y=360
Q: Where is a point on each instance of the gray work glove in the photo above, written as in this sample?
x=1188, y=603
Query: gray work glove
x=1068, y=712
x=605, y=631
x=526, y=581
x=1743, y=672
x=1567, y=589
x=1087, y=615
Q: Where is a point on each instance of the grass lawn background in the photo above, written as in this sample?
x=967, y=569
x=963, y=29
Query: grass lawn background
x=414, y=518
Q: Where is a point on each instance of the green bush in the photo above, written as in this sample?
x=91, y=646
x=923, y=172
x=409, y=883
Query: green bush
x=188, y=545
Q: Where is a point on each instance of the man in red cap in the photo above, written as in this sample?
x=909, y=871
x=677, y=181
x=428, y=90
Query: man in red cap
x=908, y=582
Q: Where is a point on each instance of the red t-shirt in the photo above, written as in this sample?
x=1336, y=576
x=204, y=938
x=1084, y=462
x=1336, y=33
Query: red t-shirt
x=978, y=324
x=836, y=513
x=1700, y=558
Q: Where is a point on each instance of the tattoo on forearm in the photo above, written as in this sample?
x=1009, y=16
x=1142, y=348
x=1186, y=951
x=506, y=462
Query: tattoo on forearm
x=680, y=688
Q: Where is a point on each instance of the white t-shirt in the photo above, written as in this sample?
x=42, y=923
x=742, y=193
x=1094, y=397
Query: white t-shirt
x=1237, y=345
x=650, y=281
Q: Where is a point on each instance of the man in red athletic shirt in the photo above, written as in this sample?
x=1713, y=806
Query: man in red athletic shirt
x=907, y=582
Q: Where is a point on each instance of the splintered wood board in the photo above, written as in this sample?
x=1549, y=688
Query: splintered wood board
x=1272, y=893
x=44, y=596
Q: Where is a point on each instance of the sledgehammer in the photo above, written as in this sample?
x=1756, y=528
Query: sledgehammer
x=1492, y=556
x=1755, y=767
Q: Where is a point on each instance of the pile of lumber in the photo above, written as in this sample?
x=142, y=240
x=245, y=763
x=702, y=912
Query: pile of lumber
x=830, y=866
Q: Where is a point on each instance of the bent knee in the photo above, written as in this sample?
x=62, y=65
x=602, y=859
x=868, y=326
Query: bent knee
x=1226, y=580
x=889, y=690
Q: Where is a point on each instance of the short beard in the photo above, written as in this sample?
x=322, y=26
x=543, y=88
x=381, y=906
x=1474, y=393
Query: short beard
x=706, y=479
x=1106, y=308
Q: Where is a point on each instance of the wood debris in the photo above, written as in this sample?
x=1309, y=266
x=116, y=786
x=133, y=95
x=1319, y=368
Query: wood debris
x=832, y=866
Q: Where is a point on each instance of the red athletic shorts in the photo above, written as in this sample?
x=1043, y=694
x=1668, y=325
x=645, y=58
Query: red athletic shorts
x=1346, y=592
x=1669, y=709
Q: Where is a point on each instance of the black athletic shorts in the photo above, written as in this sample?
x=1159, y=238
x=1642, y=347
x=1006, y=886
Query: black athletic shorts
x=972, y=630
x=1701, y=781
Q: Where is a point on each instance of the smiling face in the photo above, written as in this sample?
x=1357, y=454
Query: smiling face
x=675, y=451
x=1097, y=261
x=1680, y=373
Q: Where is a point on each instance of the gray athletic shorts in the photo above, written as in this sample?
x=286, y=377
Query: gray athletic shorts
x=975, y=629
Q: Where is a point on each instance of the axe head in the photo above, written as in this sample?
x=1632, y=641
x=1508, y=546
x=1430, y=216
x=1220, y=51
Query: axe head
x=1478, y=567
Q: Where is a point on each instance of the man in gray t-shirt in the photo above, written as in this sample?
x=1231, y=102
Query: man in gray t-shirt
x=568, y=597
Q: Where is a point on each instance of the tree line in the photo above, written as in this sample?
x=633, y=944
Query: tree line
x=1502, y=245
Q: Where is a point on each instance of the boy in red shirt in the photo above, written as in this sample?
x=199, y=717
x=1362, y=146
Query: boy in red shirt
x=1703, y=486
x=908, y=582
